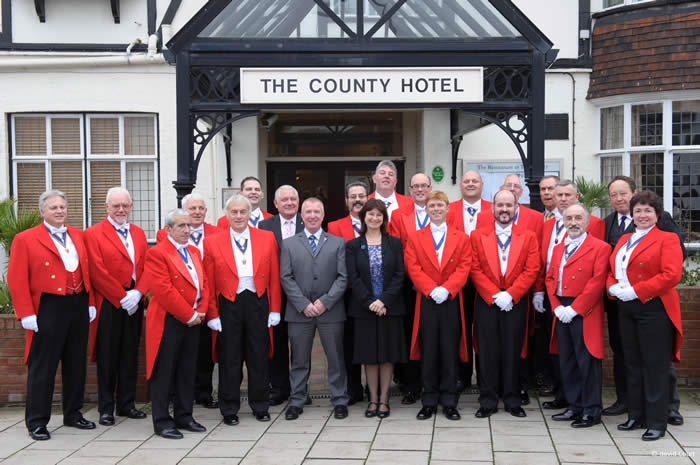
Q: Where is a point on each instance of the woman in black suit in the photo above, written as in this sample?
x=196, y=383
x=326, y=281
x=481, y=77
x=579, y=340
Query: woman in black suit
x=375, y=271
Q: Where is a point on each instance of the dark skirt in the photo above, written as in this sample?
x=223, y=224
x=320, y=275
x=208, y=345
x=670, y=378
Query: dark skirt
x=379, y=340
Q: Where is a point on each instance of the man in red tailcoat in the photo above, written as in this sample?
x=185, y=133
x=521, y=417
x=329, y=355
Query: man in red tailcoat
x=251, y=188
x=385, y=179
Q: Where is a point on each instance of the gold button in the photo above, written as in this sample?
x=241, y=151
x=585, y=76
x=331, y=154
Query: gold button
x=47, y=263
x=565, y=287
x=640, y=276
x=263, y=276
x=53, y=276
x=579, y=269
x=60, y=289
x=641, y=264
x=573, y=277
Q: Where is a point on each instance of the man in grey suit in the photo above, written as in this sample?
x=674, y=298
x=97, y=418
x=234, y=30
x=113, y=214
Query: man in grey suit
x=313, y=275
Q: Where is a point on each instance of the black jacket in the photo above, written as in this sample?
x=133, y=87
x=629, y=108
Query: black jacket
x=665, y=223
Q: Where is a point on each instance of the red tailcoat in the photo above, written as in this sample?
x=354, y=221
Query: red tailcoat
x=655, y=268
x=342, y=228
x=36, y=267
x=220, y=263
x=426, y=274
x=404, y=201
x=403, y=223
x=111, y=267
x=172, y=291
x=455, y=215
x=222, y=223
x=523, y=267
x=530, y=220
x=584, y=278
x=209, y=231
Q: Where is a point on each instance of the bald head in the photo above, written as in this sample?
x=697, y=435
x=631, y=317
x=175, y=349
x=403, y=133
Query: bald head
x=420, y=188
x=512, y=183
x=471, y=186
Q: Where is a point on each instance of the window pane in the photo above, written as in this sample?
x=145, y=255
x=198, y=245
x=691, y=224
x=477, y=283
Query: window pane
x=686, y=123
x=103, y=175
x=30, y=136
x=65, y=136
x=104, y=136
x=67, y=176
x=647, y=169
x=139, y=138
x=611, y=128
x=610, y=3
x=647, y=124
x=141, y=185
x=31, y=183
x=609, y=168
x=686, y=194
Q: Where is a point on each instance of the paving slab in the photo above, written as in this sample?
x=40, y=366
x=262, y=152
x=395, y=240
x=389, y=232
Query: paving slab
x=588, y=454
x=339, y=450
x=221, y=449
x=402, y=442
x=524, y=458
x=461, y=451
x=385, y=457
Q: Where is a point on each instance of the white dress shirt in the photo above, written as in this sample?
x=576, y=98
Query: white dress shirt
x=628, y=219
x=620, y=264
x=291, y=230
x=439, y=237
x=421, y=217
x=504, y=234
x=317, y=235
x=244, y=260
x=257, y=213
x=68, y=253
x=356, y=225
x=393, y=203
x=128, y=243
x=569, y=244
x=470, y=220
x=558, y=234
x=190, y=267
x=200, y=246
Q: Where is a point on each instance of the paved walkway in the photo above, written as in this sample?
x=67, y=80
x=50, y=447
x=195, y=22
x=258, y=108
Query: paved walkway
x=318, y=438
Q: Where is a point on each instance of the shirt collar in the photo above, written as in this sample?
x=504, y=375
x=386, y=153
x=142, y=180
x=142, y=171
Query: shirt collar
x=292, y=220
x=441, y=228
x=177, y=245
x=245, y=234
x=418, y=208
x=507, y=230
x=476, y=205
x=356, y=221
x=642, y=232
x=55, y=230
x=620, y=216
x=391, y=198
x=568, y=240
x=199, y=229
x=117, y=225
x=256, y=213
x=317, y=234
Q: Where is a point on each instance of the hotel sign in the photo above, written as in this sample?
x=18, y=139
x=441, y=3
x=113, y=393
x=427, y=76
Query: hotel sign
x=361, y=85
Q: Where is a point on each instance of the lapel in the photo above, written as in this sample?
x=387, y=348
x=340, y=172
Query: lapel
x=516, y=245
x=647, y=241
x=179, y=263
x=226, y=248
x=449, y=247
x=113, y=237
x=254, y=252
x=426, y=238
x=349, y=230
x=300, y=224
x=197, y=264
x=277, y=229
x=580, y=252
x=45, y=239
x=79, y=247
x=493, y=256
x=321, y=241
x=305, y=243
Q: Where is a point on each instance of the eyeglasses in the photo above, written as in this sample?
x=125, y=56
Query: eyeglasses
x=117, y=206
x=420, y=186
x=510, y=185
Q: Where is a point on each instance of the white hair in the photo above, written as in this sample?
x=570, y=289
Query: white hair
x=170, y=216
x=117, y=190
x=236, y=199
x=48, y=194
x=285, y=186
x=193, y=196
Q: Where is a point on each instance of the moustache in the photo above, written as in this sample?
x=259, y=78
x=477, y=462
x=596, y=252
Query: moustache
x=358, y=202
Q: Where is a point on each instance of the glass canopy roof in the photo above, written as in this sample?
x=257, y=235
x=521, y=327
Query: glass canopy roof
x=379, y=19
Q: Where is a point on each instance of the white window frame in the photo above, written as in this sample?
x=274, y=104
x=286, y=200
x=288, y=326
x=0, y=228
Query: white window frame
x=624, y=3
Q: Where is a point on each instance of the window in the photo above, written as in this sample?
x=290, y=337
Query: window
x=647, y=170
x=609, y=168
x=84, y=155
x=611, y=128
x=647, y=124
x=686, y=194
x=686, y=123
x=614, y=3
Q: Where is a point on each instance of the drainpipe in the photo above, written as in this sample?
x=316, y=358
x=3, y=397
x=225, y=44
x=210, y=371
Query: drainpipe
x=573, y=125
x=31, y=61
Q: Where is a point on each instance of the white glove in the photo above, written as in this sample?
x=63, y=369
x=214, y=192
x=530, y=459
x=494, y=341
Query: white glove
x=92, y=311
x=130, y=302
x=215, y=324
x=626, y=294
x=568, y=314
x=615, y=289
x=503, y=300
x=30, y=323
x=273, y=319
x=439, y=294
x=538, y=301
x=508, y=307
x=559, y=313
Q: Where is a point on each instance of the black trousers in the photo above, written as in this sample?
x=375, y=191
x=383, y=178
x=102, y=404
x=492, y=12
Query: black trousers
x=440, y=330
x=581, y=373
x=499, y=338
x=466, y=369
x=546, y=363
x=353, y=371
x=279, y=363
x=175, y=365
x=647, y=341
x=203, y=386
x=619, y=371
x=64, y=324
x=244, y=333
x=117, y=345
x=409, y=373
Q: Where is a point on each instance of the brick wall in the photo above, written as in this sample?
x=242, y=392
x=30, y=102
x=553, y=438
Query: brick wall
x=652, y=50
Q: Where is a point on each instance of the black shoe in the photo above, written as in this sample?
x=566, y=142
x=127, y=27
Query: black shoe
x=516, y=412
x=80, y=423
x=293, y=412
x=617, y=408
x=106, y=419
x=277, y=400
x=371, y=413
x=383, y=413
x=169, y=433
x=451, y=413
x=262, y=415
x=567, y=415
x=308, y=400
x=555, y=404
x=409, y=399
x=208, y=402
x=193, y=427
x=484, y=412
x=630, y=425
x=585, y=421
x=425, y=413
x=546, y=391
x=355, y=398
x=653, y=434
x=524, y=397
x=675, y=418
x=340, y=412
x=133, y=413
x=231, y=420
x=462, y=385
x=40, y=433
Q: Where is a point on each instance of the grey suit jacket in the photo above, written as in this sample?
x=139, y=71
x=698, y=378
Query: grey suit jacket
x=306, y=277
